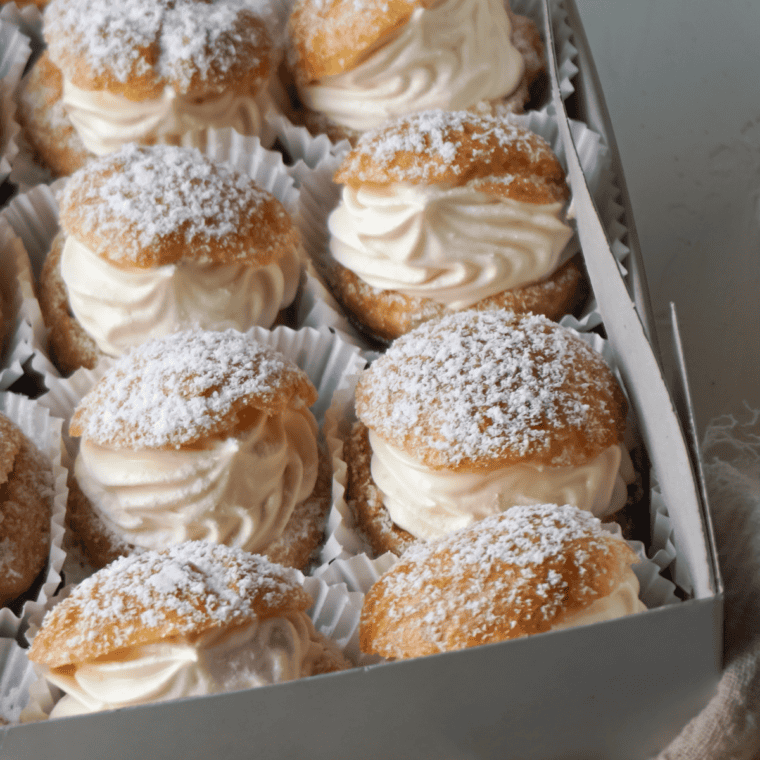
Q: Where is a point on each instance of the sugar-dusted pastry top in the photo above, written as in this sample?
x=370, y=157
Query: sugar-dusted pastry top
x=480, y=390
x=436, y=147
x=136, y=48
x=509, y=575
x=11, y=439
x=332, y=36
x=183, y=591
x=149, y=206
x=187, y=388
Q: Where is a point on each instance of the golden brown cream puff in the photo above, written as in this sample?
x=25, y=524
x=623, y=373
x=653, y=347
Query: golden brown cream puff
x=442, y=211
x=199, y=435
x=147, y=71
x=356, y=65
x=195, y=619
x=530, y=570
x=472, y=414
x=160, y=238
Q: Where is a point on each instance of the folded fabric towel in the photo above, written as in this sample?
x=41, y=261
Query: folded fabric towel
x=729, y=727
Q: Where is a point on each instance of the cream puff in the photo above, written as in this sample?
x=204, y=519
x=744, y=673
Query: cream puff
x=192, y=620
x=46, y=129
x=160, y=238
x=530, y=570
x=147, y=71
x=26, y=503
x=356, y=65
x=443, y=211
x=477, y=412
x=199, y=435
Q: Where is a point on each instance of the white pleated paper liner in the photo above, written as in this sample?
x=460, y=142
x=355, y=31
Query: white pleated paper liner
x=16, y=678
x=307, y=151
x=15, y=50
x=33, y=216
x=24, y=329
x=44, y=431
x=335, y=613
x=320, y=195
x=325, y=358
x=28, y=20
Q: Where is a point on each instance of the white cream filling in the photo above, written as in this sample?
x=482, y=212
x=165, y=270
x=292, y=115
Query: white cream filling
x=260, y=653
x=450, y=56
x=433, y=503
x=454, y=245
x=239, y=492
x=624, y=600
x=105, y=121
x=120, y=307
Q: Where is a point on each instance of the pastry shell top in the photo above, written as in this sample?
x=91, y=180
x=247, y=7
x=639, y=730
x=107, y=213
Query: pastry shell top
x=150, y=206
x=476, y=391
x=331, y=37
x=136, y=48
x=187, y=389
x=183, y=591
x=509, y=575
x=437, y=147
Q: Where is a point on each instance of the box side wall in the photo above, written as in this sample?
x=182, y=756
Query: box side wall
x=618, y=690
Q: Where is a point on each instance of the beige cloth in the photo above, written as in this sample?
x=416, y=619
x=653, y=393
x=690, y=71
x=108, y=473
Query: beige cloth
x=729, y=727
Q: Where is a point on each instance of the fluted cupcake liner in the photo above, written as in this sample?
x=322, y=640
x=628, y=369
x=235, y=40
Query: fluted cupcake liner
x=22, y=331
x=44, y=431
x=28, y=20
x=15, y=50
x=16, y=677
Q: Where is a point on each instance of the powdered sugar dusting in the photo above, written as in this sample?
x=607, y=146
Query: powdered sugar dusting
x=182, y=37
x=182, y=387
x=432, y=141
x=504, y=576
x=184, y=590
x=475, y=387
x=142, y=194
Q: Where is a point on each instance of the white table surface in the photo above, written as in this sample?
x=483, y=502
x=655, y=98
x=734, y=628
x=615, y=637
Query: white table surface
x=682, y=83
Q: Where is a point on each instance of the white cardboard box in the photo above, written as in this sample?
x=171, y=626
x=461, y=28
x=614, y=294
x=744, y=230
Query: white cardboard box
x=619, y=689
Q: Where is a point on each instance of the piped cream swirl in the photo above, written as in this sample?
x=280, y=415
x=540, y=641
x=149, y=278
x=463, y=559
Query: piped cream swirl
x=239, y=492
x=624, y=600
x=430, y=503
x=120, y=307
x=260, y=653
x=450, y=56
x=105, y=121
x=454, y=245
